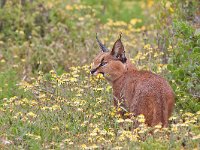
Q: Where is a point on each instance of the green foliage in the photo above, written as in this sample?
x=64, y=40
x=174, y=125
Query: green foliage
x=8, y=85
x=116, y=9
x=185, y=66
x=45, y=36
x=179, y=40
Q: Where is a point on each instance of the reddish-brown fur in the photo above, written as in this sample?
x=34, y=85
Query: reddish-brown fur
x=139, y=92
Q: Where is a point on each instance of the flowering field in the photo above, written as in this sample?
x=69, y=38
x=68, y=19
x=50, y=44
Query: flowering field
x=74, y=110
x=49, y=100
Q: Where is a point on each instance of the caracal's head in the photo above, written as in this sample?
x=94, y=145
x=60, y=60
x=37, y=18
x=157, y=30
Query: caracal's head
x=111, y=64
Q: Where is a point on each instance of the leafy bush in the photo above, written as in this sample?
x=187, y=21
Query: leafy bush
x=179, y=40
x=185, y=66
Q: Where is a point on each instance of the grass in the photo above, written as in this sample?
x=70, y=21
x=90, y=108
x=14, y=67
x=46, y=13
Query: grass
x=76, y=111
x=8, y=86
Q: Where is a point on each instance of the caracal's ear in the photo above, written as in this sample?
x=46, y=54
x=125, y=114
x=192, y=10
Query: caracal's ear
x=103, y=48
x=118, y=50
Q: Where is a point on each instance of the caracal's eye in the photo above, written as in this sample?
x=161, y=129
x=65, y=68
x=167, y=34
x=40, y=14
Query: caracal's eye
x=103, y=63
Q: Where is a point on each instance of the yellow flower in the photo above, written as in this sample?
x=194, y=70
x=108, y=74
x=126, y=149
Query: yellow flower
x=174, y=128
x=120, y=120
x=112, y=114
x=188, y=114
x=168, y=4
x=135, y=20
x=141, y=131
x=147, y=46
x=68, y=7
x=93, y=134
x=128, y=120
x=31, y=114
x=56, y=107
x=150, y=3
x=94, y=146
x=23, y=60
x=103, y=132
x=36, y=137
x=80, y=18
x=196, y=137
x=99, y=89
x=56, y=128
x=158, y=126
x=21, y=32
x=73, y=80
x=198, y=112
x=41, y=96
x=67, y=140
x=155, y=54
x=141, y=118
x=108, y=88
x=99, y=113
x=79, y=95
x=83, y=146
x=49, y=5
x=117, y=148
x=90, y=139
x=3, y=61
x=80, y=109
x=100, y=76
x=96, y=130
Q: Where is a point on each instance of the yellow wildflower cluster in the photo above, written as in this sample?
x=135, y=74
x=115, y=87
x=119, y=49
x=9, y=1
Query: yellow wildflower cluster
x=77, y=7
x=79, y=110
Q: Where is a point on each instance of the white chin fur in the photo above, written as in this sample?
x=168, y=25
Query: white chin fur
x=96, y=73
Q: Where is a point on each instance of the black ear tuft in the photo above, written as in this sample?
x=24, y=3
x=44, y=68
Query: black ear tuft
x=120, y=36
x=103, y=48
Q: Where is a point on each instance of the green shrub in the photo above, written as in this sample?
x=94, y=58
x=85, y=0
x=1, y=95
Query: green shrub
x=184, y=66
x=179, y=40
